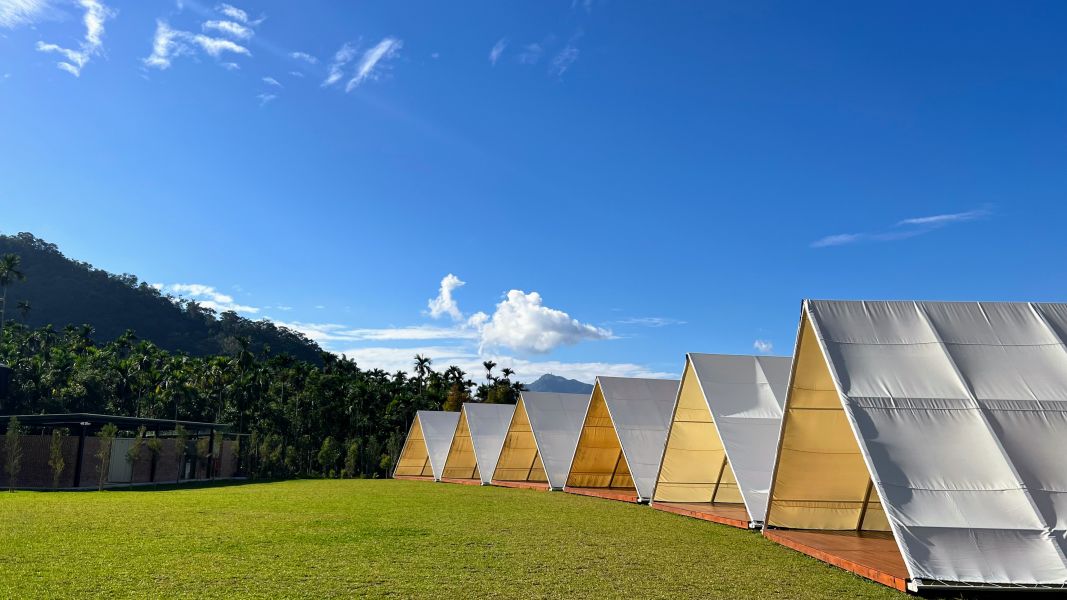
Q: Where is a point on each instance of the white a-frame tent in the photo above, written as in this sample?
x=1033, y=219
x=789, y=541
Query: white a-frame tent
x=723, y=438
x=427, y=444
x=476, y=444
x=540, y=440
x=621, y=443
x=943, y=425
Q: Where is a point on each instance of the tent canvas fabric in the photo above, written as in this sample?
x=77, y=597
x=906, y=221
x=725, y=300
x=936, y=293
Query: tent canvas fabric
x=941, y=422
x=427, y=444
x=623, y=434
x=541, y=438
x=479, y=435
x=724, y=431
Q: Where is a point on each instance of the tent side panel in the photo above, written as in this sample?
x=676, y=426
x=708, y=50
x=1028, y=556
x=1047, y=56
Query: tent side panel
x=461, y=462
x=414, y=459
x=822, y=481
x=519, y=460
x=598, y=460
x=694, y=459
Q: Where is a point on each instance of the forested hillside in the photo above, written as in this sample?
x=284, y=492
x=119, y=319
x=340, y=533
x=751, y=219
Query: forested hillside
x=61, y=291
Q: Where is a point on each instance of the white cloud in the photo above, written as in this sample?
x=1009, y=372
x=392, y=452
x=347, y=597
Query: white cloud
x=401, y=359
x=368, y=64
x=531, y=53
x=521, y=322
x=206, y=296
x=904, y=229
x=233, y=12
x=650, y=321
x=230, y=66
x=168, y=43
x=304, y=56
x=296, y=74
x=271, y=81
x=265, y=98
x=563, y=61
x=14, y=13
x=444, y=303
x=341, y=58
x=498, y=49
x=763, y=346
x=335, y=332
x=95, y=16
x=230, y=28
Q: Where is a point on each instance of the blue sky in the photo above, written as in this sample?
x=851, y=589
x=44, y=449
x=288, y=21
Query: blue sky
x=615, y=183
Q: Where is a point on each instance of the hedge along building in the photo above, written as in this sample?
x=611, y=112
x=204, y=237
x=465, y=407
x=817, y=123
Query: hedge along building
x=923, y=443
x=540, y=440
x=426, y=446
x=720, y=449
x=618, y=451
x=476, y=444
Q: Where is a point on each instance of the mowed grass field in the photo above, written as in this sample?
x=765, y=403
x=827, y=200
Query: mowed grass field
x=364, y=538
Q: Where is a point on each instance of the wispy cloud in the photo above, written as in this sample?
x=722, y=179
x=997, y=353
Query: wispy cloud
x=14, y=13
x=497, y=50
x=96, y=13
x=904, y=229
x=531, y=54
x=233, y=12
x=231, y=28
x=336, y=332
x=763, y=346
x=341, y=58
x=264, y=99
x=368, y=67
x=206, y=296
x=230, y=66
x=304, y=56
x=272, y=81
x=650, y=321
x=168, y=44
x=563, y=60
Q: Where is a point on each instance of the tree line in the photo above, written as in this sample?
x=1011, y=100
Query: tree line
x=303, y=418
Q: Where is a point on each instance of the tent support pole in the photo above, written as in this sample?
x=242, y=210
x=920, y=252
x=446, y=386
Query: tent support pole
x=533, y=462
x=616, y=469
x=866, y=502
x=425, y=462
x=722, y=469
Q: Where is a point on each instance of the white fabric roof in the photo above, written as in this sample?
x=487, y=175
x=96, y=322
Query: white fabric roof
x=438, y=426
x=556, y=423
x=960, y=410
x=640, y=410
x=488, y=424
x=745, y=395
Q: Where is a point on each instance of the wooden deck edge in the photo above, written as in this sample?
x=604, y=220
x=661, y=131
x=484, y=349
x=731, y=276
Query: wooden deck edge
x=523, y=485
x=703, y=516
x=413, y=478
x=604, y=493
x=462, y=481
x=840, y=562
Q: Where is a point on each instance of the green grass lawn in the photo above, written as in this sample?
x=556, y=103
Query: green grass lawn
x=319, y=539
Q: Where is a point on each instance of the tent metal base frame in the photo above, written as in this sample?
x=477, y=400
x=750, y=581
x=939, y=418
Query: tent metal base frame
x=733, y=515
x=622, y=495
x=462, y=481
x=873, y=555
x=524, y=485
x=931, y=585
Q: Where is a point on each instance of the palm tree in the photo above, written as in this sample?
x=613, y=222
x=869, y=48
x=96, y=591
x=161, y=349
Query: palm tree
x=9, y=273
x=488, y=369
x=24, y=308
x=507, y=373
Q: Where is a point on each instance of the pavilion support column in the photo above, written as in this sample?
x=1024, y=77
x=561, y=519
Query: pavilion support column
x=78, y=458
x=211, y=455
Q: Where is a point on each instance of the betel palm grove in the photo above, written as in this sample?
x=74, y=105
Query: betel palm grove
x=303, y=417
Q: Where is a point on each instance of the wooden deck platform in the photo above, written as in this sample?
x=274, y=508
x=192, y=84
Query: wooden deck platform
x=620, y=494
x=526, y=485
x=870, y=554
x=730, y=514
x=462, y=481
x=413, y=477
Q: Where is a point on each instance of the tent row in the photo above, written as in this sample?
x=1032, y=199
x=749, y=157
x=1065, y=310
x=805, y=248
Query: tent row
x=919, y=444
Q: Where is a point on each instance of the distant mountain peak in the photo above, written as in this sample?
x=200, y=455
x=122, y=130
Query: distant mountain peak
x=561, y=385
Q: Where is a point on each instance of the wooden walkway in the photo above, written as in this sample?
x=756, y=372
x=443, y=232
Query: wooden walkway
x=733, y=515
x=620, y=494
x=526, y=485
x=462, y=481
x=870, y=554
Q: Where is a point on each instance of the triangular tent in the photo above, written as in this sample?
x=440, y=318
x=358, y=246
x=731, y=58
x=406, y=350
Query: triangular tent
x=934, y=428
x=427, y=445
x=721, y=446
x=476, y=444
x=540, y=440
x=622, y=438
